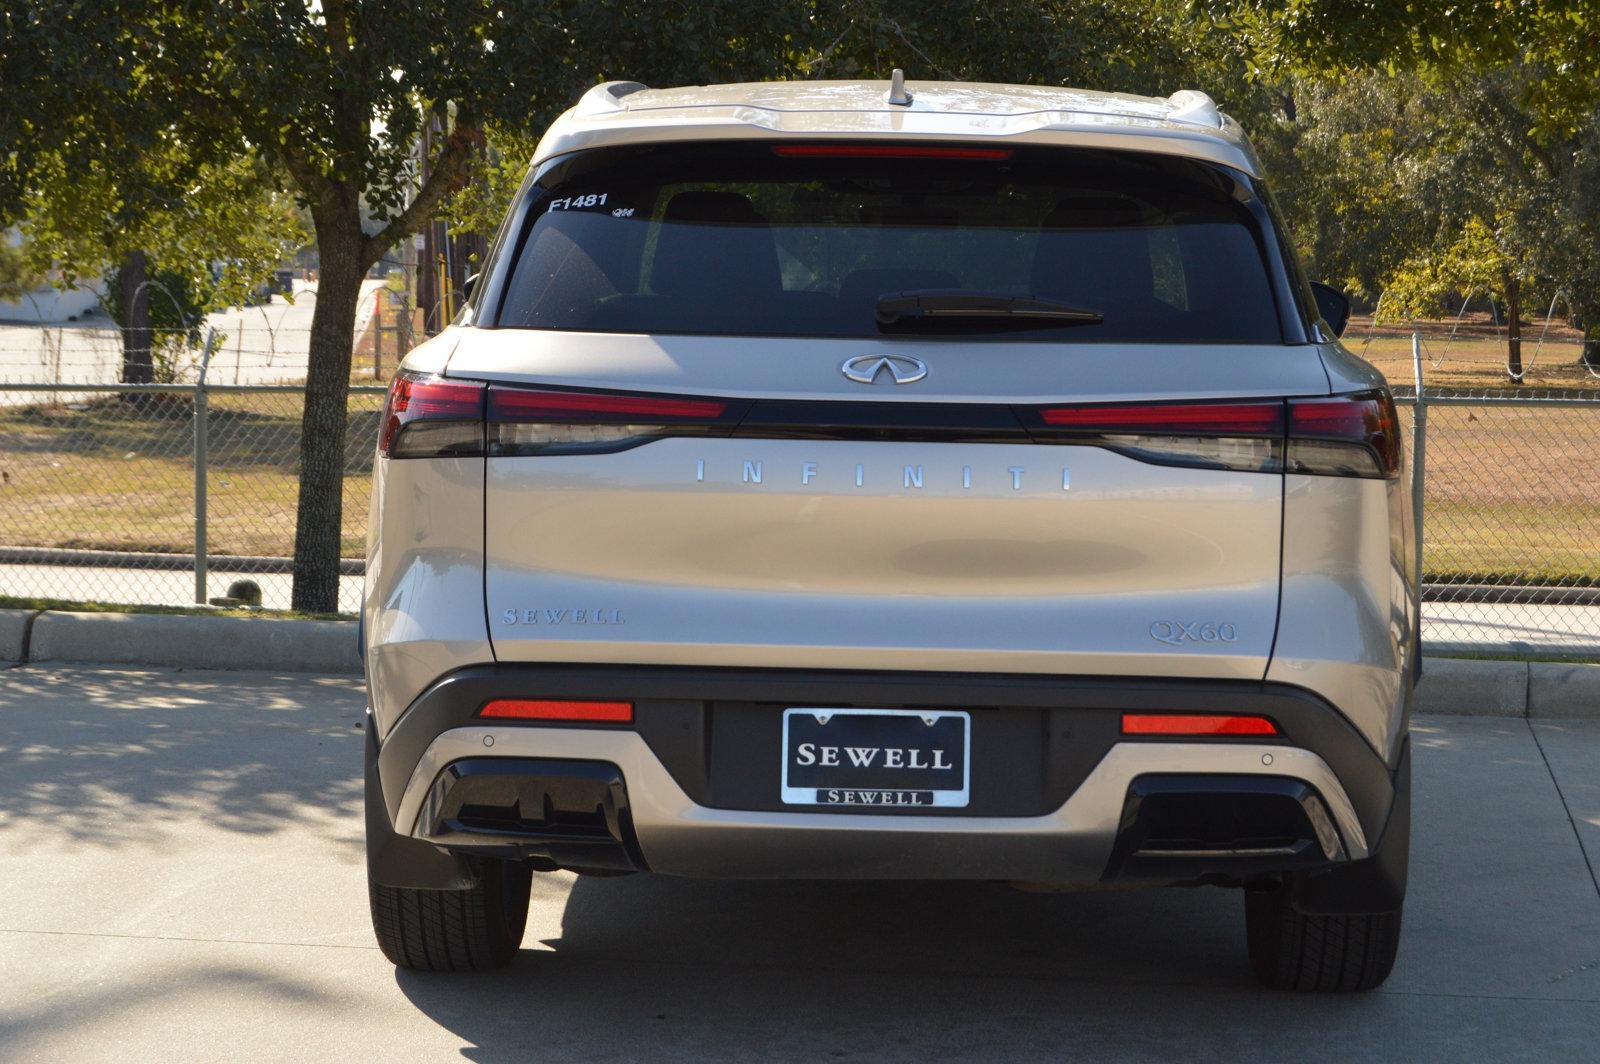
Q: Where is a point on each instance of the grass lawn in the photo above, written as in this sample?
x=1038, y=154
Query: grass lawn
x=1512, y=491
x=112, y=475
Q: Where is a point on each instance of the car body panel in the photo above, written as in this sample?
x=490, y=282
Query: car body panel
x=423, y=599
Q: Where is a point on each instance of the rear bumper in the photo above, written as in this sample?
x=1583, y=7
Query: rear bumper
x=1058, y=795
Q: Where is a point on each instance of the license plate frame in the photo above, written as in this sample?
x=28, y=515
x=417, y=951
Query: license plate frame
x=799, y=785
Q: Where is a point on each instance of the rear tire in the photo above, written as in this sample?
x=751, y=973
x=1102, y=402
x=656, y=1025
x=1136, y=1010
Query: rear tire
x=1291, y=950
x=469, y=930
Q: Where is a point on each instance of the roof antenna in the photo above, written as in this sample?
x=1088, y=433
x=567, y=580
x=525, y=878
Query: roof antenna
x=898, y=96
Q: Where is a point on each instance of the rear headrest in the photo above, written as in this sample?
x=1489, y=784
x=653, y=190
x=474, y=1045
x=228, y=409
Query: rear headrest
x=728, y=208
x=715, y=245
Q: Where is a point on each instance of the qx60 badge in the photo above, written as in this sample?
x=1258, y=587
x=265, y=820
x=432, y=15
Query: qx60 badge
x=901, y=369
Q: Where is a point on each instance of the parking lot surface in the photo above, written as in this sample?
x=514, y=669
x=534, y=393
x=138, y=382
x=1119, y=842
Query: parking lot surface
x=181, y=877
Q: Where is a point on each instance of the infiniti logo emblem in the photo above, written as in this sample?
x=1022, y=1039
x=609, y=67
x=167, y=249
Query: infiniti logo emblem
x=902, y=369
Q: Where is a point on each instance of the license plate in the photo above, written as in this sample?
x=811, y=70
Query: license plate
x=876, y=758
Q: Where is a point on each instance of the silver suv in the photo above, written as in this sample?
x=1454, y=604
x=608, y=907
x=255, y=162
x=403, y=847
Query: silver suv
x=863, y=480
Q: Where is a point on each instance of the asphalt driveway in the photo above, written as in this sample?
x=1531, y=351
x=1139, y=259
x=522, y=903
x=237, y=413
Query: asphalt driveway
x=181, y=878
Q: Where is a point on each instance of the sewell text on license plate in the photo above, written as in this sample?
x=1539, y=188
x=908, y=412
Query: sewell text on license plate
x=871, y=759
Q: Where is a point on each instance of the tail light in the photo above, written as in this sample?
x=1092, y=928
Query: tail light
x=527, y=422
x=1246, y=436
x=430, y=417
x=1191, y=724
x=1348, y=435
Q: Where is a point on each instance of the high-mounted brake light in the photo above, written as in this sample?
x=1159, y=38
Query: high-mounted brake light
x=427, y=417
x=889, y=151
x=1196, y=724
x=558, y=709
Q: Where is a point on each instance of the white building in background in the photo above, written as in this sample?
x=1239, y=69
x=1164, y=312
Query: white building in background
x=46, y=304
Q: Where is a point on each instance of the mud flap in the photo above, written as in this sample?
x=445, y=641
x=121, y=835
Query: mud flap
x=1375, y=885
x=396, y=860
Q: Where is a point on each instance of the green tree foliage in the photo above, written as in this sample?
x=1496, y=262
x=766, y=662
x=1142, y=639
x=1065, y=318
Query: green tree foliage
x=102, y=177
x=1555, y=42
x=1382, y=175
x=223, y=225
x=1473, y=128
x=16, y=273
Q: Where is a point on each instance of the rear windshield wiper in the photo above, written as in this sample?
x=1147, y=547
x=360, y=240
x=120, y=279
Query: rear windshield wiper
x=895, y=307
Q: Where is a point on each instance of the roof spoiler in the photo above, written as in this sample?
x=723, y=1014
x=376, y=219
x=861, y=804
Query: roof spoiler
x=1194, y=108
x=606, y=97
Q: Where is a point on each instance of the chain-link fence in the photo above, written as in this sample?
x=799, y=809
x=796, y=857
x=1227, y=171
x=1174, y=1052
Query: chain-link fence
x=165, y=494
x=1510, y=516
x=99, y=498
x=261, y=343
x=169, y=492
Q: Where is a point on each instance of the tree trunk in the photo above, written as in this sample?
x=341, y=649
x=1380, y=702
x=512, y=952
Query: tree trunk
x=1513, y=328
x=1586, y=320
x=322, y=427
x=132, y=279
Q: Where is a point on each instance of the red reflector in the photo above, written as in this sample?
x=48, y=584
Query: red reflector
x=1195, y=724
x=1222, y=419
x=517, y=404
x=546, y=709
x=888, y=151
x=412, y=398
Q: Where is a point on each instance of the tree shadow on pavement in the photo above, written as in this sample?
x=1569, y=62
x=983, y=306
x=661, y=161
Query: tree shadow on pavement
x=110, y=757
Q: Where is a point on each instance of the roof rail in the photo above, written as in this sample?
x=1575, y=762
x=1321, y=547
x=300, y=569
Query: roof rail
x=606, y=97
x=1193, y=107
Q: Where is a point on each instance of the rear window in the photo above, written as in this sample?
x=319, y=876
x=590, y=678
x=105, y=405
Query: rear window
x=762, y=240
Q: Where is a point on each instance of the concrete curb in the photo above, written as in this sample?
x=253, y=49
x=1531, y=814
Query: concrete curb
x=1484, y=688
x=194, y=641
x=14, y=635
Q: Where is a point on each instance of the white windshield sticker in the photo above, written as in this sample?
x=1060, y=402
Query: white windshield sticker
x=578, y=203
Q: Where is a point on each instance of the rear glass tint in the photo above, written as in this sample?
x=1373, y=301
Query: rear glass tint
x=738, y=239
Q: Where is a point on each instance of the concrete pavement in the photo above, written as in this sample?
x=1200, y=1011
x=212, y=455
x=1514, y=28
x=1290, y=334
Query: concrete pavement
x=181, y=855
